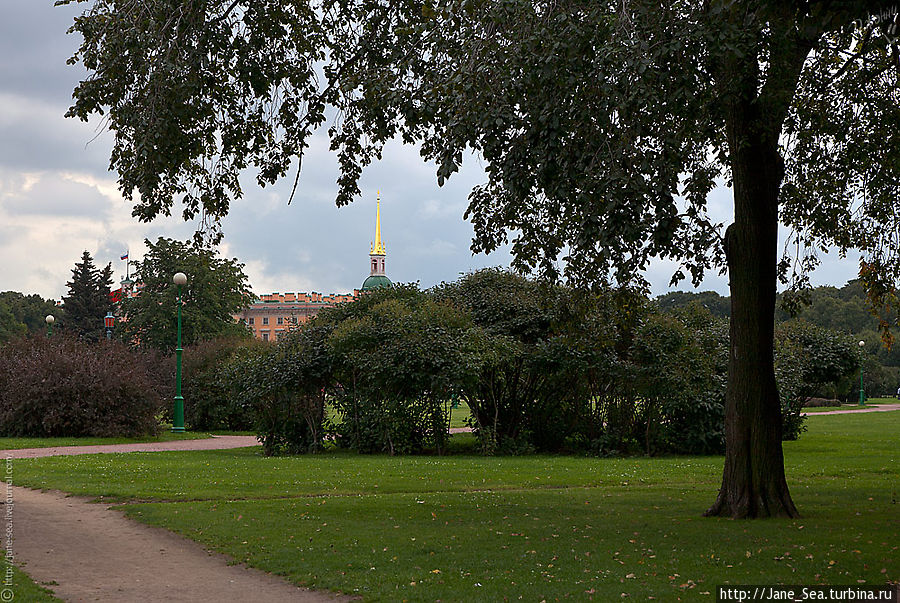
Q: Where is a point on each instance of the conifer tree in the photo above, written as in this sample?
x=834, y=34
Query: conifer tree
x=88, y=300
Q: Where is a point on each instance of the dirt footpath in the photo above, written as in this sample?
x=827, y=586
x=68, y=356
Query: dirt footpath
x=879, y=408
x=89, y=552
x=213, y=443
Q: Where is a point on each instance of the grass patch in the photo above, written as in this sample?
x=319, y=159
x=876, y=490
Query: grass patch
x=540, y=544
x=245, y=473
x=813, y=409
x=164, y=436
x=464, y=528
x=459, y=415
x=21, y=586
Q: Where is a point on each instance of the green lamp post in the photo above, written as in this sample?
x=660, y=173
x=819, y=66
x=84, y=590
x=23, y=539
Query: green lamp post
x=180, y=279
x=50, y=320
x=862, y=391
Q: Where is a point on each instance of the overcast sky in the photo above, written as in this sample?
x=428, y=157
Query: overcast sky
x=57, y=197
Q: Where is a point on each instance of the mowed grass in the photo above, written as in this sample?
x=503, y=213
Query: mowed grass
x=855, y=407
x=467, y=528
x=163, y=436
x=17, y=586
x=459, y=415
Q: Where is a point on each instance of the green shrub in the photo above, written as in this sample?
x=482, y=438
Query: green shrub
x=212, y=389
x=809, y=360
x=286, y=385
x=399, y=356
x=792, y=391
x=64, y=386
x=514, y=405
x=542, y=368
x=822, y=402
x=683, y=365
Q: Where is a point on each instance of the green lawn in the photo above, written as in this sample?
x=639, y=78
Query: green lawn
x=813, y=409
x=469, y=528
x=163, y=436
x=459, y=415
x=21, y=586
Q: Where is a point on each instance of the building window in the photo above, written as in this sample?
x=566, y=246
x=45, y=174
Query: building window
x=280, y=320
x=265, y=320
x=265, y=336
x=251, y=320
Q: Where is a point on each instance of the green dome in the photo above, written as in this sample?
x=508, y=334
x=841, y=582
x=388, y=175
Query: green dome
x=377, y=281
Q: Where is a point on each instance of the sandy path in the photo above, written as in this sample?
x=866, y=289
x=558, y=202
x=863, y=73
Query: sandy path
x=213, y=443
x=94, y=553
x=89, y=552
x=881, y=408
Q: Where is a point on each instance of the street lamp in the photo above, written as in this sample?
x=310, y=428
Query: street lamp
x=108, y=321
x=49, y=320
x=862, y=392
x=180, y=279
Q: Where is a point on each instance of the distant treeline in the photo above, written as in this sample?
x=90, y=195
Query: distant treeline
x=844, y=310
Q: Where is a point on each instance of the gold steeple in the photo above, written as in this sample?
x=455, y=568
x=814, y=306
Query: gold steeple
x=378, y=246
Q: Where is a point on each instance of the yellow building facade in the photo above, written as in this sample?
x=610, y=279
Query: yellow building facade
x=277, y=313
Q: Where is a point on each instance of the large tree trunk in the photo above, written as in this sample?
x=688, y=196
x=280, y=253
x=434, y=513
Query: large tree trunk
x=753, y=483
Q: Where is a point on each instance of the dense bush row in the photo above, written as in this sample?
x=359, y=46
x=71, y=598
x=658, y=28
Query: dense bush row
x=65, y=386
x=542, y=369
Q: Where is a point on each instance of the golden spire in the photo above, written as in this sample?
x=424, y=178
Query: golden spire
x=378, y=246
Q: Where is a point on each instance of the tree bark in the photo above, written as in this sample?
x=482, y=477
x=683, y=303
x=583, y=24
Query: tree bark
x=753, y=482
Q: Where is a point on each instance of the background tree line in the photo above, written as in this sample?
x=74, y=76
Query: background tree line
x=844, y=310
x=22, y=314
x=76, y=383
x=542, y=367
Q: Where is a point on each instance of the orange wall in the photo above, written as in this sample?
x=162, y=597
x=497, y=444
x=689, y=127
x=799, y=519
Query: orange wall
x=293, y=309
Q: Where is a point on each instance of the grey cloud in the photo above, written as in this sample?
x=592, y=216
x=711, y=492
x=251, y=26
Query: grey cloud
x=53, y=195
x=318, y=242
x=35, y=48
x=36, y=136
x=36, y=90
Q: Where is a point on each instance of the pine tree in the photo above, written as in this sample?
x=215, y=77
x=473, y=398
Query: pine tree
x=88, y=300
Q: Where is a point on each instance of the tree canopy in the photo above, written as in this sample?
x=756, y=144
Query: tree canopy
x=603, y=126
x=216, y=289
x=20, y=314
